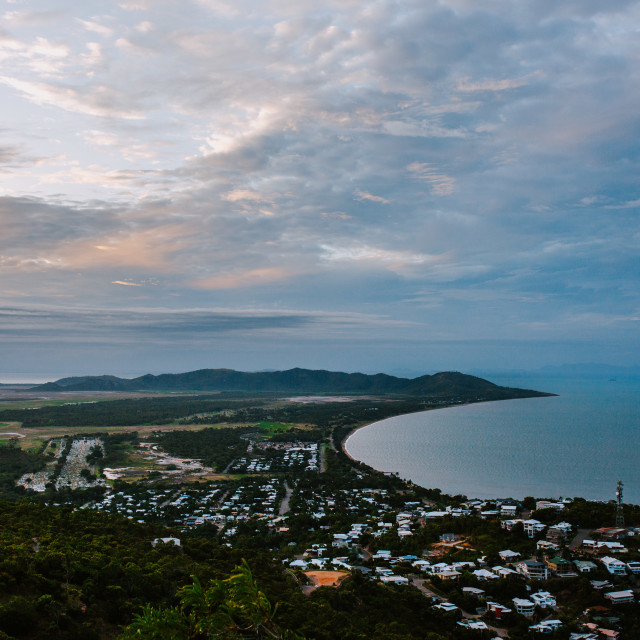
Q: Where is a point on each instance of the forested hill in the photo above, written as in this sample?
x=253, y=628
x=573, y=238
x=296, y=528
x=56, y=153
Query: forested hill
x=445, y=384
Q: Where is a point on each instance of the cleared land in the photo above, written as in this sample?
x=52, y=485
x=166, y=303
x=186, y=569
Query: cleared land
x=326, y=578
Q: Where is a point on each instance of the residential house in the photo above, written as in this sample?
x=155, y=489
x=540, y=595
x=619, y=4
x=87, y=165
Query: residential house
x=560, y=566
x=533, y=570
x=543, y=599
x=612, y=533
x=508, y=510
x=477, y=625
x=485, y=574
x=524, y=607
x=599, y=585
x=585, y=566
x=497, y=609
x=603, y=546
x=546, y=626
x=509, y=556
x=614, y=566
x=446, y=606
x=545, y=545
x=547, y=504
x=510, y=524
x=400, y=580
x=532, y=527
x=618, y=597
x=504, y=572
x=634, y=567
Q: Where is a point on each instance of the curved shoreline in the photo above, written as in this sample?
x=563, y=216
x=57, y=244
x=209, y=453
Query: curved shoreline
x=400, y=472
x=343, y=444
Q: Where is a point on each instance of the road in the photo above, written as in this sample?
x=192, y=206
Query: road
x=580, y=536
x=284, y=505
x=323, y=457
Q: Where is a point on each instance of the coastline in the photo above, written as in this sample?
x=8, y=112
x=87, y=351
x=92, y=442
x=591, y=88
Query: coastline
x=411, y=413
x=447, y=450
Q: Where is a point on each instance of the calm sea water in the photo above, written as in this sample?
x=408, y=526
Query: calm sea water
x=577, y=444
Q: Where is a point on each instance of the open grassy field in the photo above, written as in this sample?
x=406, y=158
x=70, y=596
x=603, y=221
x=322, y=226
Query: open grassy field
x=33, y=437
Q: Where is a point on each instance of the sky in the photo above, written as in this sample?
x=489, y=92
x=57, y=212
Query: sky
x=398, y=186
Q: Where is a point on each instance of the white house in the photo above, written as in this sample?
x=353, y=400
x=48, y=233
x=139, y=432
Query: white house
x=546, y=626
x=634, y=567
x=614, y=566
x=543, y=599
x=402, y=580
x=531, y=527
x=524, y=607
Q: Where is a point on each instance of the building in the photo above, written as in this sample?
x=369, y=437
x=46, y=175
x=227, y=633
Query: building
x=543, y=599
x=614, y=566
x=509, y=556
x=533, y=570
x=524, y=607
x=585, y=566
x=545, y=545
x=401, y=580
x=604, y=546
x=533, y=527
x=618, y=597
x=497, y=609
x=547, y=504
x=560, y=566
x=612, y=533
x=634, y=567
x=485, y=574
x=510, y=524
x=504, y=572
x=546, y=626
x=446, y=606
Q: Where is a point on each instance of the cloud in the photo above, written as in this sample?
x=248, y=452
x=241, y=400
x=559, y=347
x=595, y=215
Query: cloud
x=630, y=204
x=441, y=184
x=127, y=284
x=96, y=27
x=101, y=102
x=492, y=84
x=250, y=278
x=342, y=156
x=363, y=195
x=121, y=326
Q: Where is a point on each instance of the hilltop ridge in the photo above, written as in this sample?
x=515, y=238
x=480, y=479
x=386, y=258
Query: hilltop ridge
x=295, y=380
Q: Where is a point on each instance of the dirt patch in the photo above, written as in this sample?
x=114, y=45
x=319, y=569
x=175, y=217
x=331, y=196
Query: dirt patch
x=326, y=578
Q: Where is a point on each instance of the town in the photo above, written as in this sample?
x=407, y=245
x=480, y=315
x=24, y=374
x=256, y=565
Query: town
x=503, y=567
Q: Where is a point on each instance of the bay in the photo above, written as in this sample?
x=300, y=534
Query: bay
x=579, y=443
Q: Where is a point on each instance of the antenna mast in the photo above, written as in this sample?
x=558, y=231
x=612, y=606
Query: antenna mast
x=619, y=509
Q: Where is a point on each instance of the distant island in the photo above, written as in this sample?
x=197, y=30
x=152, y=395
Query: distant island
x=296, y=381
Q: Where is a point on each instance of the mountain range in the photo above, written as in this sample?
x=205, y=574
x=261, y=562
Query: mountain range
x=444, y=384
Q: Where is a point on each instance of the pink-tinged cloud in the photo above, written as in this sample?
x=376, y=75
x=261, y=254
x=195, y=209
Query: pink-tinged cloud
x=126, y=284
x=249, y=278
x=244, y=194
x=364, y=195
x=441, y=184
x=148, y=249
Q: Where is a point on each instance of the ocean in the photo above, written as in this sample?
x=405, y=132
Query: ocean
x=577, y=444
